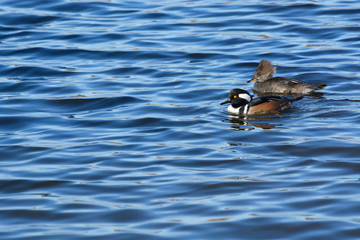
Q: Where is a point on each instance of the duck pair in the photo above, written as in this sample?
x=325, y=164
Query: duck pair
x=242, y=102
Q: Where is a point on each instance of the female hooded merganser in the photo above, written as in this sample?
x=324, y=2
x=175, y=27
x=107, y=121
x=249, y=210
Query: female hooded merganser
x=266, y=83
x=243, y=104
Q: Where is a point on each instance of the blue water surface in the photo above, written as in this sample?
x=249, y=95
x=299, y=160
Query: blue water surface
x=111, y=126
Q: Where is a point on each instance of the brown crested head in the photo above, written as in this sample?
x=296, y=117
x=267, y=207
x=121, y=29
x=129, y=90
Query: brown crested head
x=264, y=71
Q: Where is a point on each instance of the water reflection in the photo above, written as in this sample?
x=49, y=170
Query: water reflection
x=250, y=123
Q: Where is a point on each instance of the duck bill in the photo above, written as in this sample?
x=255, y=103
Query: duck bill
x=227, y=101
x=252, y=80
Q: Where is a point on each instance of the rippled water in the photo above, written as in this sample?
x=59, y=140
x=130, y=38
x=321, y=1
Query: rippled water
x=111, y=126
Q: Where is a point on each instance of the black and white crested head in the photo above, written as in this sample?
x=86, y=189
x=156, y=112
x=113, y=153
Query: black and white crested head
x=240, y=95
x=239, y=100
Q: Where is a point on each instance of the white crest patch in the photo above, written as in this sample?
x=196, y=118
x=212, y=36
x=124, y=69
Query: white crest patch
x=245, y=96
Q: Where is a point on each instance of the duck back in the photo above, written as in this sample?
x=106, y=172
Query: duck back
x=286, y=86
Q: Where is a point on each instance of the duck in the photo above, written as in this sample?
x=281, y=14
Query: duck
x=266, y=83
x=242, y=103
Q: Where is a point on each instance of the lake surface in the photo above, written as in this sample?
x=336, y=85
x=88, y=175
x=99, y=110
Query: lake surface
x=111, y=126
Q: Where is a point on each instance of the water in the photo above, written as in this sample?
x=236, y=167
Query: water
x=111, y=126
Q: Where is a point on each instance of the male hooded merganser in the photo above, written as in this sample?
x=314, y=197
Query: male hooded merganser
x=266, y=83
x=243, y=104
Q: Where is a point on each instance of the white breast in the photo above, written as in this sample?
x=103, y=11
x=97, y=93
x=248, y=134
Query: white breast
x=236, y=111
x=232, y=110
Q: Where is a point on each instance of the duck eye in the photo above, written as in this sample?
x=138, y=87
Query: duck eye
x=234, y=96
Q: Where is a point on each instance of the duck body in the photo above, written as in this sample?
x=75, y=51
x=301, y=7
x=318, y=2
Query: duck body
x=285, y=86
x=266, y=83
x=243, y=104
